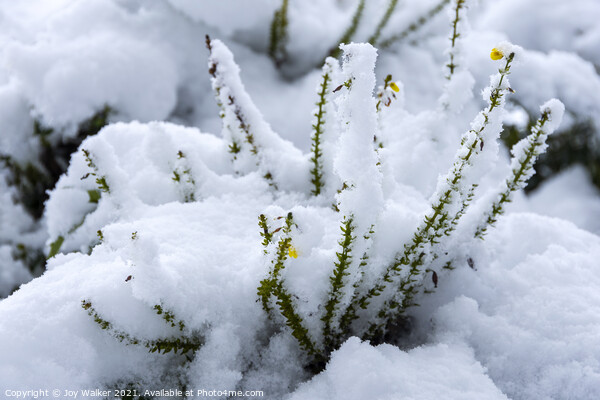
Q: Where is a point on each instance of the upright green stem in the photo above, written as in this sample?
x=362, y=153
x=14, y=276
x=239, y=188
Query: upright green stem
x=279, y=34
x=347, y=36
x=383, y=22
x=455, y=35
x=317, y=154
x=415, y=26
x=344, y=258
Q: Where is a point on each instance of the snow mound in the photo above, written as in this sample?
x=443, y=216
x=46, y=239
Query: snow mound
x=359, y=371
x=531, y=310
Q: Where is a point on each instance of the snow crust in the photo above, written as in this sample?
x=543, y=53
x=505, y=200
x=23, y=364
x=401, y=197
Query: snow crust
x=358, y=370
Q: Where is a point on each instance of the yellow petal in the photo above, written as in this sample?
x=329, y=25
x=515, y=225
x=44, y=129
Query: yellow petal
x=496, y=54
x=394, y=87
x=293, y=252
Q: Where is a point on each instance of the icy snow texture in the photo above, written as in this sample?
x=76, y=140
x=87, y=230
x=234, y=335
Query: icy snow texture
x=360, y=371
x=531, y=311
x=356, y=159
x=568, y=196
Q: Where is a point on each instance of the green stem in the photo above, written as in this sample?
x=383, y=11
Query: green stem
x=316, y=159
x=383, y=22
x=347, y=36
x=337, y=284
x=455, y=34
x=415, y=26
x=279, y=35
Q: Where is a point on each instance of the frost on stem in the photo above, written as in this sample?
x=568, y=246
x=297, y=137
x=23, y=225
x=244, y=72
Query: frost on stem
x=319, y=126
x=449, y=203
x=361, y=200
x=458, y=22
x=278, y=37
x=227, y=86
x=525, y=154
x=100, y=179
x=415, y=26
x=182, y=175
x=282, y=249
x=347, y=36
x=169, y=317
x=252, y=143
x=356, y=160
x=459, y=85
x=331, y=334
x=265, y=233
x=383, y=22
x=164, y=346
x=94, y=197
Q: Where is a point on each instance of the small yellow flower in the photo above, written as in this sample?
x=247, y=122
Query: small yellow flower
x=293, y=252
x=496, y=54
x=394, y=87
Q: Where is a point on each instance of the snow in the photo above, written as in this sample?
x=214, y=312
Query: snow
x=568, y=196
x=531, y=316
x=155, y=209
x=356, y=161
x=358, y=370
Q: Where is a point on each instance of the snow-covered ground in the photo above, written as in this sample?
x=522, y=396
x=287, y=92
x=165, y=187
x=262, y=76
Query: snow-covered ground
x=158, y=210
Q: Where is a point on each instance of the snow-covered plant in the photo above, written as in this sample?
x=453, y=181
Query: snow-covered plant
x=175, y=344
x=358, y=301
x=272, y=290
x=458, y=88
x=449, y=202
x=182, y=174
x=324, y=93
x=345, y=183
x=252, y=142
x=458, y=9
x=525, y=154
x=30, y=179
x=360, y=201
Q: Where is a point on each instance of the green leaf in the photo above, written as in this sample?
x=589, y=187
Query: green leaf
x=55, y=246
x=94, y=196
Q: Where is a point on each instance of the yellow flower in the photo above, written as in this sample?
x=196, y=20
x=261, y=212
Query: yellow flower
x=394, y=87
x=496, y=54
x=293, y=252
